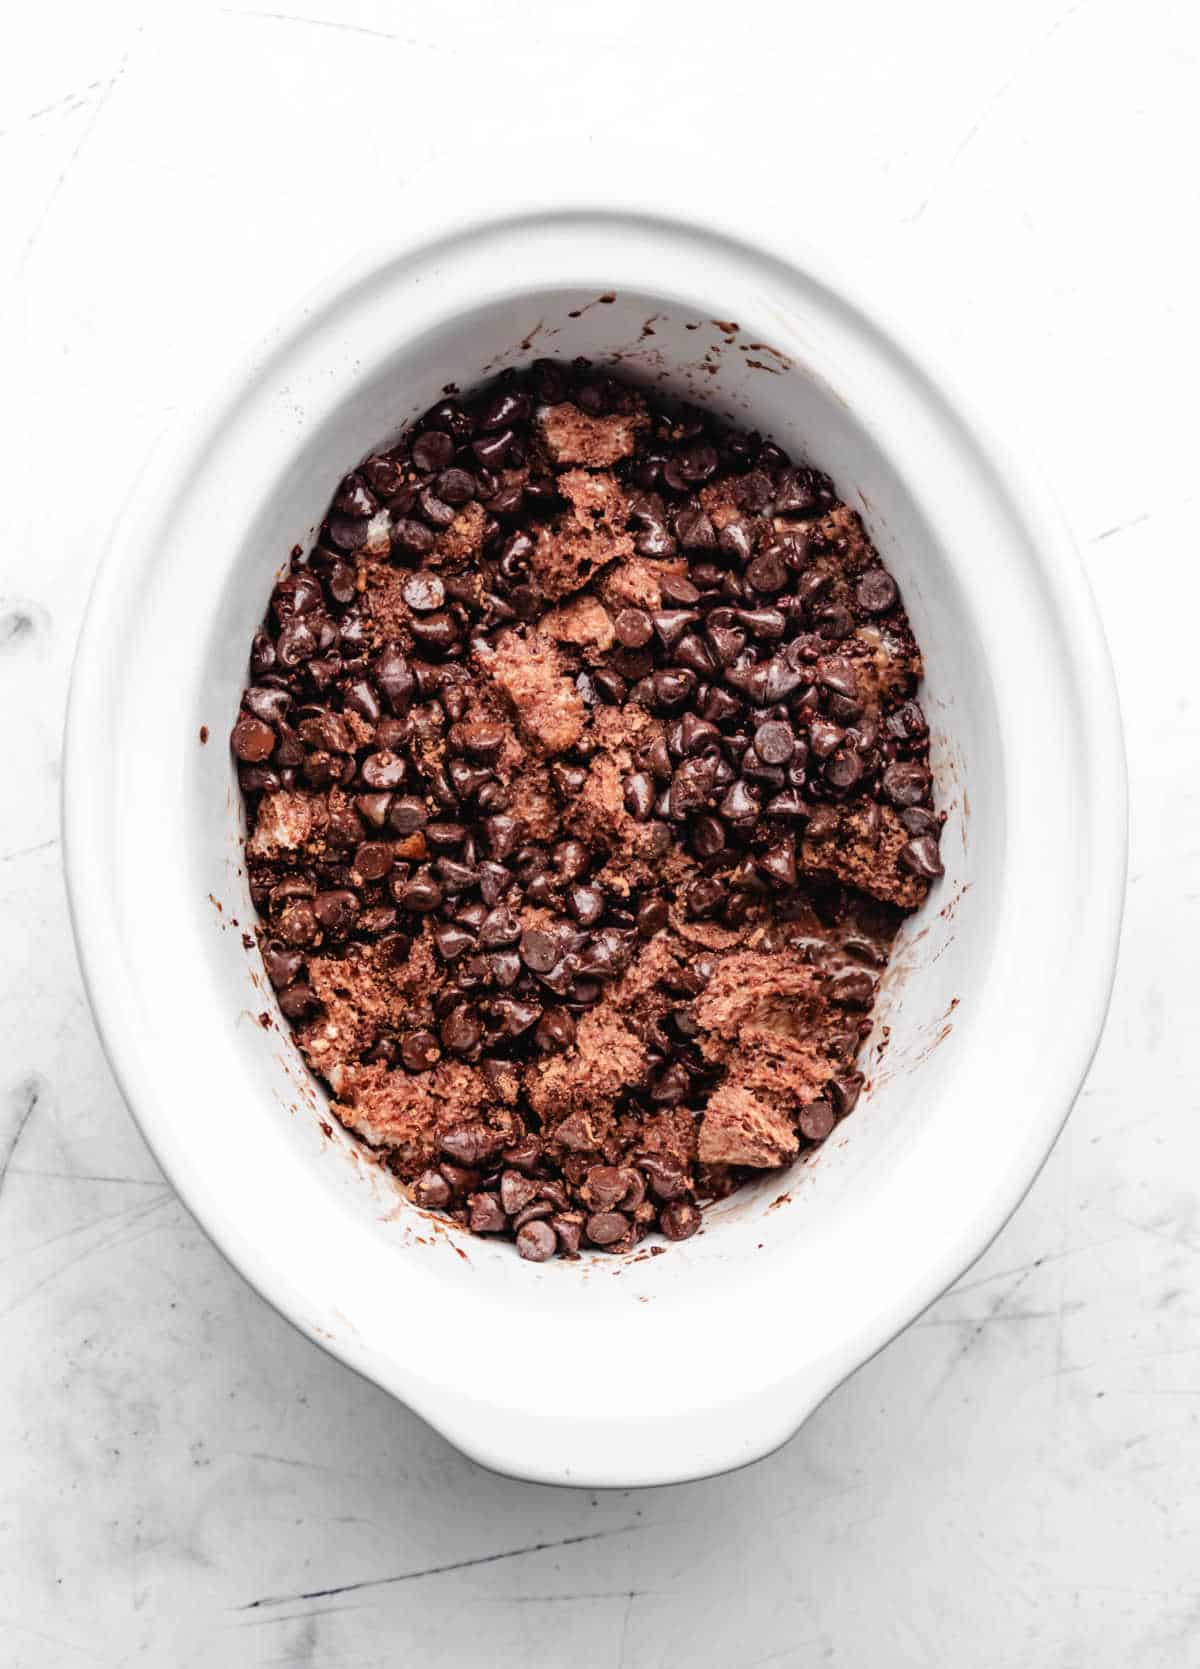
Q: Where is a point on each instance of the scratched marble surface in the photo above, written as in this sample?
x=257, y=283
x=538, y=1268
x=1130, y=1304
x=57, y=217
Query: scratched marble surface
x=1016, y=1480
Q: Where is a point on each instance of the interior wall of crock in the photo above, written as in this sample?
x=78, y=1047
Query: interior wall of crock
x=941, y=950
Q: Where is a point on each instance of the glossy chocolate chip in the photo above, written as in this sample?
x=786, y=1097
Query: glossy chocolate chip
x=920, y=856
x=555, y=1031
x=905, y=784
x=253, y=741
x=282, y=963
x=639, y=795
x=606, y=1228
x=679, y=1219
x=540, y=949
x=537, y=1241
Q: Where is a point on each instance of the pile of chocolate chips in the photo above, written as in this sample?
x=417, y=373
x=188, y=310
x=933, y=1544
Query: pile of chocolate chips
x=586, y=787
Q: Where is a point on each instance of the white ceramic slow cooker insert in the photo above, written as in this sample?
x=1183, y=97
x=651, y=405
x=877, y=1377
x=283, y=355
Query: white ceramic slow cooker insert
x=605, y=1371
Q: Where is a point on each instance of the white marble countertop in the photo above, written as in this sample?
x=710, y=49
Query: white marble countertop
x=184, y=1481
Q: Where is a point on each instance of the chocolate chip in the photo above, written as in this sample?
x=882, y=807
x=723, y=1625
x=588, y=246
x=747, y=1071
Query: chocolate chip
x=606, y=1228
x=670, y=625
x=298, y=1001
x=767, y=573
x=336, y=910
x=843, y=768
x=282, y=965
x=633, y=627
x=452, y=875
x=252, y=740
x=796, y=493
x=431, y=1190
x=698, y=462
x=845, y=1091
x=876, y=591
x=753, y=491
x=540, y=949
x=516, y=1192
x=455, y=487
x=907, y=722
x=503, y=409
x=652, y=917
x=499, y=928
x=824, y=738
x=514, y=1017
x=779, y=863
x=432, y=450
x=550, y=381
x=679, y=1219
x=438, y=631
x=586, y=904
x=494, y=882
x=407, y=815
x=736, y=540
x=298, y=924
x=816, y=1120
x=493, y=450
x=424, y=593
x=852, y=988
x=705, y=896
x=434, y=509
x=672, y=688
x=695, y=531
x=483, y=739
x=411, y=537
x=774, y=742
x=667, y=1179
x=918, y=820
x=525, y=1156
x=471, y=1144
x=373, y=860
x=348, y=533
x=833, y=621
x=555, y=1031
x=270, y=705
x=610, y=686
x=678, y=592
x=537, y=1241
x=740, y=806
x=485, y=1215
x=639, y=795
x=421, y=895
x=461, y=1031
x=394, y=677
x=605, y=1186
x=445, y=837
x=452, y=941
x=295, y=643
x=905, y=784
x=569, y=1229
x=920, y=856
x=708, y=837
x=383, y=771
x=328, y=731
x=503, y=835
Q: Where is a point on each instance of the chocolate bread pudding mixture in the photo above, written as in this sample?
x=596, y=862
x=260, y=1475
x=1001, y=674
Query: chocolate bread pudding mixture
x=586, y=788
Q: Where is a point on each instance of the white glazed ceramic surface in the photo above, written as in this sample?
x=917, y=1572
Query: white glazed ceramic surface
x=642, y=1369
